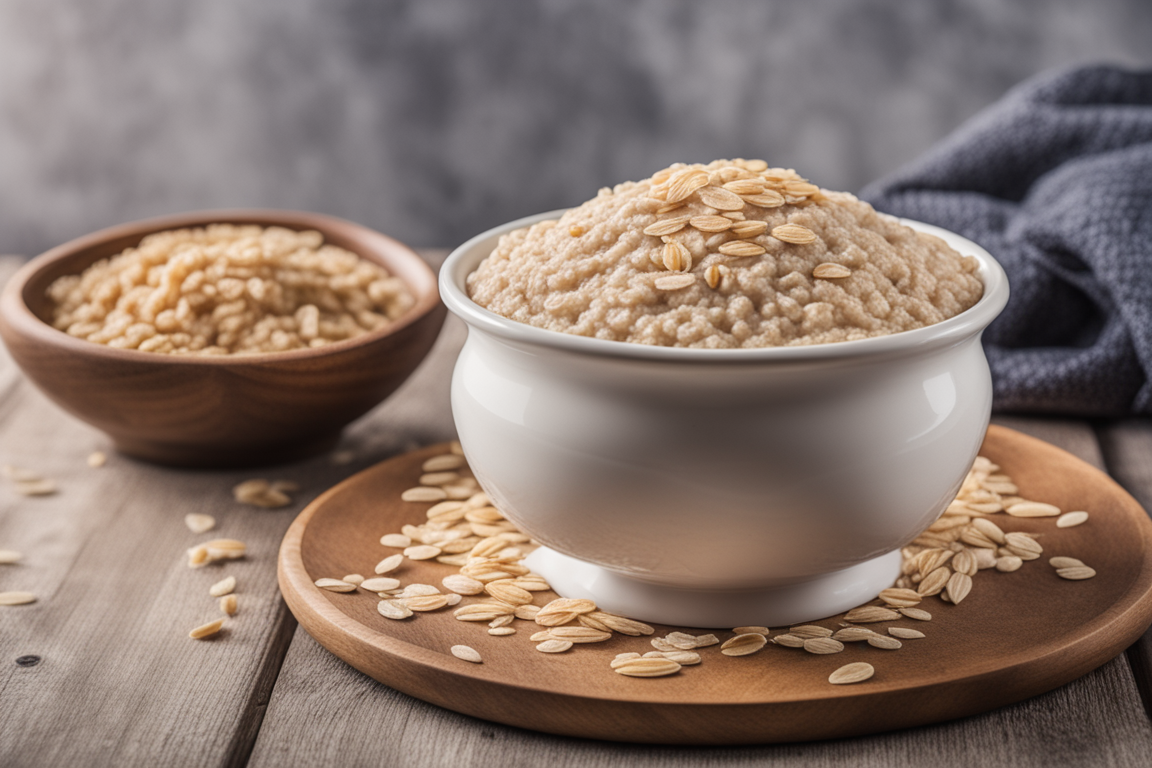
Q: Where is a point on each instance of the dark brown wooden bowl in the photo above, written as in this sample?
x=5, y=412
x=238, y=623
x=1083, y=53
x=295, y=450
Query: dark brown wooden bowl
x=218, y=411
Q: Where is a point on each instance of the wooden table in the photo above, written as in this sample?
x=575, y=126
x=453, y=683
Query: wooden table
x=119, y=683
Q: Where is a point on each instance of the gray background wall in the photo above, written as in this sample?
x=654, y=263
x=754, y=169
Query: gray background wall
x=434, y=119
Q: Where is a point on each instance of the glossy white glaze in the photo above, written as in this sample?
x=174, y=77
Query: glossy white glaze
x=779, y=606
x=720, y=469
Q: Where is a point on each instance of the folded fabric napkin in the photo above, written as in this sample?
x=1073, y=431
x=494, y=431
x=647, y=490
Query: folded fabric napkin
x=1055, y=181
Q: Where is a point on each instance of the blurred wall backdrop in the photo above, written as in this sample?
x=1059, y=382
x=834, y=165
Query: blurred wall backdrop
x=435, y=119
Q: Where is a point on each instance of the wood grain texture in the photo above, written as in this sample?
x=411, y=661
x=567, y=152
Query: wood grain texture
x=1127, y=449
x=228, y=410
x=1093, y=721
x=120, y=683
x=389, y=650
x=322, y=712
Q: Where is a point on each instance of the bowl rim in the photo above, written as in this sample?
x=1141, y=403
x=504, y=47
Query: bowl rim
x=972, y=321
x=15, y=312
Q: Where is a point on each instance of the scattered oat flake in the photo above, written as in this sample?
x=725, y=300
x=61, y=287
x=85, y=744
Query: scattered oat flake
x=198, y=523
x=900, y=598
x=681, y=640
x=853, y=634
x=1064, y=562
x=97, y=459
x=206, y=630
x=198, y=556
x=393, y=609
x=467, y=653
x=830, y=271
x=959, y=585
x=250, y=488
x=554, y=646
x=16, y=598
x=335, y=585
x=1023, y=546
x=463, y=585
x=482, y=611
x=932, y=584
x=41, y=487
x=377, y=584
x=223, y=587
x=904, y=633
x=794, y=233
x=749, y=630
x=1008, y=563
x=398, y=540
x=721, y=199
x=225, y=549
x=421, y=552
x=1076, y=573
x=423, y=493
x=749, y=228
x=711, y=223
x=769, y=198
x=674, y=282
x=439, y=478
x=1033, y=509
x=389, y=564
x=667, y=226
x=884, y=642
x=919, y=614
x=684, y=182
x=443, y=463
x=419, y=590
x=789, y=641
x=646, y=667
x=743, y=645
x=857, y=672
x=579, y=634
x=742, y=249
x=1070, y=519
x=867, y=614
x=822, y=645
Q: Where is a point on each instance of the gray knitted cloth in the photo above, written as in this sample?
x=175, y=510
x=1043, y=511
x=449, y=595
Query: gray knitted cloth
x=1055, y=181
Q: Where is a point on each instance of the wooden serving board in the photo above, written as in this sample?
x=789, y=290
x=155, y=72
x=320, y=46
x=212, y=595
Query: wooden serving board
x=1015, y=636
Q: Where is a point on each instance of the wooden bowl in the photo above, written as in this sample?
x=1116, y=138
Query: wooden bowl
x=218, y=411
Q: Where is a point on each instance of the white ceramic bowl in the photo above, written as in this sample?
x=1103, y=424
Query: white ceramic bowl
x=720, y=469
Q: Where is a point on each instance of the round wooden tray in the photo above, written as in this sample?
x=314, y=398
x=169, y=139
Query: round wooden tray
x=1015, y=636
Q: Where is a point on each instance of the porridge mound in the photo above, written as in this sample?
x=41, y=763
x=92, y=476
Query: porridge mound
x=228, y=289
x=726, y=255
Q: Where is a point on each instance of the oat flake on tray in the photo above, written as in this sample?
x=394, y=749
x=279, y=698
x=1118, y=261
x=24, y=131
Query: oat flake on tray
x=726, y=255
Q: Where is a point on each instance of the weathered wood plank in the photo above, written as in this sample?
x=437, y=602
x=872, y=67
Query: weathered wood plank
x=1127, y=448
x=1096, y=720
x=120, y=683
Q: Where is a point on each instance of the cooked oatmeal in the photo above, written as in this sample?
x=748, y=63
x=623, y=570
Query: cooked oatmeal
x=228, y=289
x=725, y=255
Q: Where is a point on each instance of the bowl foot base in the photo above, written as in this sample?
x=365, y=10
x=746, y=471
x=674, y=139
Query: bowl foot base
x=790, y=604
x=224, y=456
